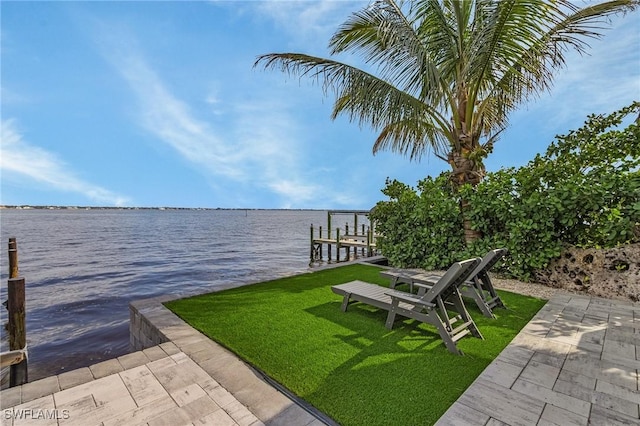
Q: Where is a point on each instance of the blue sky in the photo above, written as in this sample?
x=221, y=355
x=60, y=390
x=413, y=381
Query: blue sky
x=158, y=104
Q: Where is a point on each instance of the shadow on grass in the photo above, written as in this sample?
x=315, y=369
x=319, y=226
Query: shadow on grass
x=349, y=365
x=406, y=373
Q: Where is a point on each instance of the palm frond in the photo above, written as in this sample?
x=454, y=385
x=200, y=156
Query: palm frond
x=362, y=96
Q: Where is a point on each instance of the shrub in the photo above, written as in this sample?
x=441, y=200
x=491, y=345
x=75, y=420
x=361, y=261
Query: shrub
x=420, y=228
x=585, y=191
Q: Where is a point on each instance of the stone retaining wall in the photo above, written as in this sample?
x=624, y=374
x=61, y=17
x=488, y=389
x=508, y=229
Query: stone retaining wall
x=147, y=317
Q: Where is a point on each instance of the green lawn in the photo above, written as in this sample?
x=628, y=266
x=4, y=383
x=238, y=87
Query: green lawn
x=348, y=365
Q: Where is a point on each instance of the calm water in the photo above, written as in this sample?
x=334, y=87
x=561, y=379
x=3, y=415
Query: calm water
x=83, y=267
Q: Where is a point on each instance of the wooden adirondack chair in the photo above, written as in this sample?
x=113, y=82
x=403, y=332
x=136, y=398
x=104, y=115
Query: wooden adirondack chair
x=429, y=307
x=478, y=287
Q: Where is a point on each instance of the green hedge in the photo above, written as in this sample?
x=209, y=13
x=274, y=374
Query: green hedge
x=585, y=191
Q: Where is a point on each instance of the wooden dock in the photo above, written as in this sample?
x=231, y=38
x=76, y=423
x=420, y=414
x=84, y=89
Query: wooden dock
x=356, y=238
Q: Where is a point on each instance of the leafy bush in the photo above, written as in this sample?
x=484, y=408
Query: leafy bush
x=585, y=191
x=419, y=228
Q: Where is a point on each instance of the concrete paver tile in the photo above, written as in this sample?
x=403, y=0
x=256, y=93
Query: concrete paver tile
x=264, y=401
x=75, y=377
x=526, y=341
x=220, y=395
x=190, y=371
x=10, y=397
x=161, y=363
x=133, y=359
x=552, y=348
x=502, y=373
x=516, y=355
x=502, y=404
x=200, y=408
x=169, y=348
x=603, y=370
x=78, y=407
x=624, y=349
x=603, y=416
x=218, y=418
x=202, y=353
x=614, y=403
x=547, y=395
x=460, y=414
x=187, y=394
x=142, y=414
x=106, y=368
x=104, y=411
x=546, y=359
x=495, y=422
x=171, y=418
x=40, y=388
x=181, y=357
x=292, y=415
x=556, y=416
x=574, y=390
x=103, y=390
x=587, y=382
x=596, y=315
x=618, y=391
x=579, y=302
x=39, y=411
x=221, y=363
x=143, y=385
x=538, y=328
x=176, y=332
x=188, y=340
x=541, y=374
x=170, y=379
x=154, y=353
x=241, y=414
x=624, y=334
x=625, y=361
x=572, y=316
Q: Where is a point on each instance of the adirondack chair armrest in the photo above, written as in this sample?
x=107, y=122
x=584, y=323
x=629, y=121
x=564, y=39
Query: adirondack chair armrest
x=422, y=288
x=407, y=298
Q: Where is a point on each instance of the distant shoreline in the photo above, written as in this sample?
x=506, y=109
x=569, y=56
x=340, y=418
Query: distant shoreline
x=29, y=207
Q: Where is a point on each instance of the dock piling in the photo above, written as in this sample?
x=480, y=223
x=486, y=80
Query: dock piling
x=16, y=327
x=13, y=258
x=18, y=374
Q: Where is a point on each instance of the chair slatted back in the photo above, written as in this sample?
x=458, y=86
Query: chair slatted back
x=457, y=274
x=489, y=259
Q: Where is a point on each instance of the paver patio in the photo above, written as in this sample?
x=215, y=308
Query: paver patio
x=575, y=363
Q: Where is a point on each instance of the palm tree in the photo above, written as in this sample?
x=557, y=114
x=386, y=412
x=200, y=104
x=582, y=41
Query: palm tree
x=449, y=72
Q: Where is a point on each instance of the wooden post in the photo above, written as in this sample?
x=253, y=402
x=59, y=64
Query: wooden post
x=338, y=245
x=18, y=374
x=355, y=223
x=13, y=258
x=320, y=236
x=311, y=251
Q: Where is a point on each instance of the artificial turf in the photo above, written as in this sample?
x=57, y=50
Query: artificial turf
x=348, y=365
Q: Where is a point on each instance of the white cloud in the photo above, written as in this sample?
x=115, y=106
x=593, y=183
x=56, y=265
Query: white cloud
x=257, y=145
x=21, y=158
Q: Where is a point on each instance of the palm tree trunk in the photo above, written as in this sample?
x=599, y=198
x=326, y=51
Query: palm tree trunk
x=465, y=170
